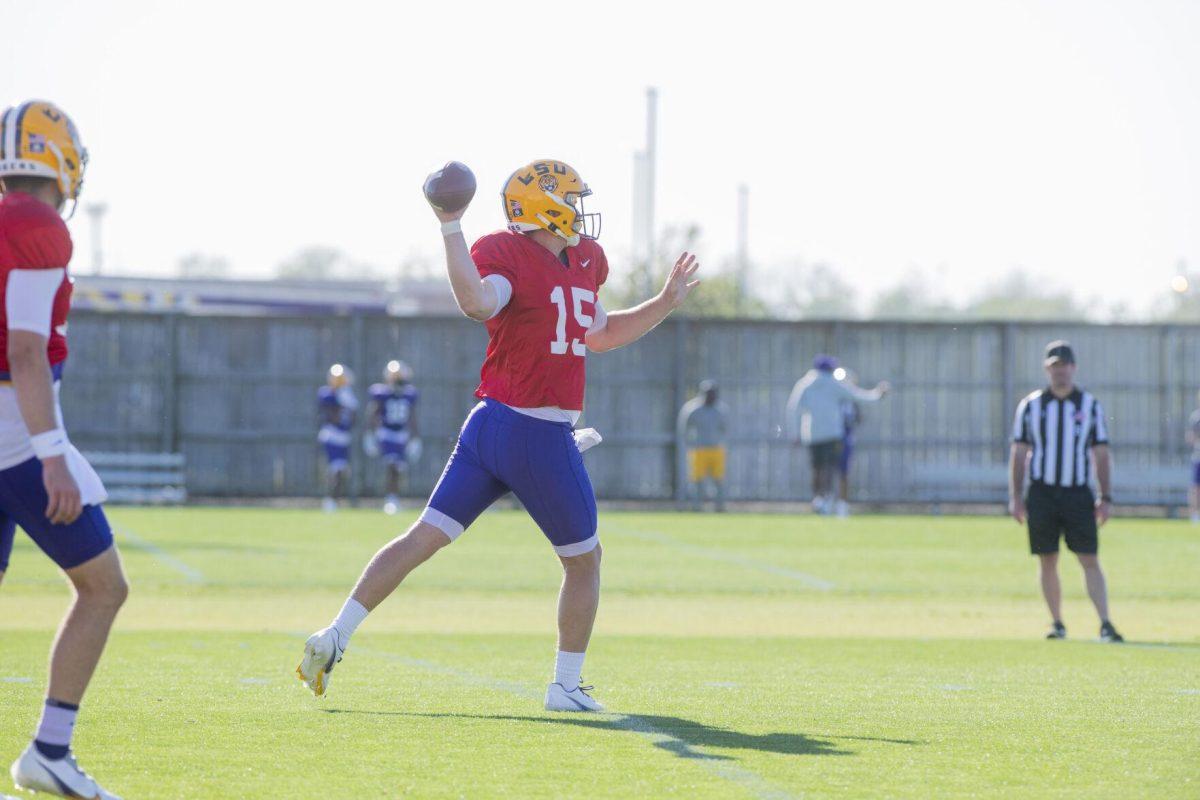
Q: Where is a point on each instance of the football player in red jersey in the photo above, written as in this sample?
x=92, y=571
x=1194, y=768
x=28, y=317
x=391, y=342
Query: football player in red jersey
x=535, y=287
x=46, y=486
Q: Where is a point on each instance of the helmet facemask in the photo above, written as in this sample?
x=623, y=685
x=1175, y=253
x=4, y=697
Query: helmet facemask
x=586, y=225
x=572, y=218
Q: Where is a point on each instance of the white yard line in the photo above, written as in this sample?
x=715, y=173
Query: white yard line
x=189, y=573
x=727, y=770
x=713, y=554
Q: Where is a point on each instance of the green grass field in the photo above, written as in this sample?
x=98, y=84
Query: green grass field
x=743, y=656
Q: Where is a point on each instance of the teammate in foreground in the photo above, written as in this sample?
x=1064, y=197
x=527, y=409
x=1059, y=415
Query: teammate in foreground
x=534, y=286
x=338, y=407
x=46, y=486
x=393, y=417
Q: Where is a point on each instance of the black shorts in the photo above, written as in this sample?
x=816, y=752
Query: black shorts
x=1057, y=511
x=825, y=454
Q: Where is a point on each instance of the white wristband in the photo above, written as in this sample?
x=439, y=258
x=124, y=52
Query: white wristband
x=50, y=444
x=453, y=226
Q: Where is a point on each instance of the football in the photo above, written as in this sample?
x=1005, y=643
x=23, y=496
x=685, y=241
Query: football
x=451, y=187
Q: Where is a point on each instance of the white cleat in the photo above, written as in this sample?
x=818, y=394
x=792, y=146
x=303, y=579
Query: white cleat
x=321, y=652
x=391, y=505
x=329, y=505
x=63, y=778
x=578, y=699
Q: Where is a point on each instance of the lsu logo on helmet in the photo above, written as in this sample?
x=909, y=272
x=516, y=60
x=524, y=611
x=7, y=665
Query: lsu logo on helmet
x=548, y=195
x=38, y=140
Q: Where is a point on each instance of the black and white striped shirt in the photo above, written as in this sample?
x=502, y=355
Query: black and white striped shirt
x=1060, y=431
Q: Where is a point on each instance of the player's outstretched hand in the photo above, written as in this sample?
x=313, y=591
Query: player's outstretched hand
x=679, y=283
x=65, y=504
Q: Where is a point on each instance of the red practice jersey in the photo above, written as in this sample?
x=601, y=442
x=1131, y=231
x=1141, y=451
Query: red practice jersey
x=34, y=236
x=536, y=354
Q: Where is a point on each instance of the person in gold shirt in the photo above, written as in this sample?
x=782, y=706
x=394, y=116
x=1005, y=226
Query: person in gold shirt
x=702, y=425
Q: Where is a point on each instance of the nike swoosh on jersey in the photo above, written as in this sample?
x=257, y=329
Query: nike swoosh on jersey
x=585, y=262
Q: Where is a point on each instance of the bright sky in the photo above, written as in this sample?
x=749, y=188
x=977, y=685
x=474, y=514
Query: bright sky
x=962, y=138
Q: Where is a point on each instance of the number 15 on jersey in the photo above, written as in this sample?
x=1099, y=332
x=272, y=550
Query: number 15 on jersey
x=558, y=346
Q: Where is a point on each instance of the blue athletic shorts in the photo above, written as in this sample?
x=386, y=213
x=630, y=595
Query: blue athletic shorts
x=500, y=450
x=338, y=456
x=392, y=451
x=23, y=502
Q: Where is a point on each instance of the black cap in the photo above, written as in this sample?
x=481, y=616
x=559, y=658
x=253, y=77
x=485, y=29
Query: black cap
x=1059, y=351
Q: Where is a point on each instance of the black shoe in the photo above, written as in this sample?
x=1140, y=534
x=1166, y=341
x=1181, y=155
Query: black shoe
x=1059, y=631
x=1109, y=634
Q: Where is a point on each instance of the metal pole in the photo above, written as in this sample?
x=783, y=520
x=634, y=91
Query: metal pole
x=679, y=390
x=639, y=209
x=1008, y=392
x=743, y=246
x=169, y=434
x=96, y=212
x=358, y=345
x=648, y=168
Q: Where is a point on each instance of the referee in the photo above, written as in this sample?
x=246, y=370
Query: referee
x=1055, y=431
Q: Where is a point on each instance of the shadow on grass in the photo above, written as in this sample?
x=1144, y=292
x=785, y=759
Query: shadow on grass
x=673, y=734
x=1164, y=645
x=1160, y=645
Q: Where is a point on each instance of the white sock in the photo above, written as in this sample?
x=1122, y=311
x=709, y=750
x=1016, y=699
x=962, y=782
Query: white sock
x=567, y=668
x=57, y=724
x=349, y=618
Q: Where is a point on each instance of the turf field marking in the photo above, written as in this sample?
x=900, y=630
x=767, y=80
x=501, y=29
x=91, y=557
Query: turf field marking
x=16, y=680
x=190, y=573
x=721, y=766
x=712, y=554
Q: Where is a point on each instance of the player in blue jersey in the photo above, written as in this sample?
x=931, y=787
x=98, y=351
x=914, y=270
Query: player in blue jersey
x=338, y=408
x=393, y=416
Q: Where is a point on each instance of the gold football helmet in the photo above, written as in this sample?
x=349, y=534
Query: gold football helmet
x=548, y=195
x=397, y=372
x=340, y=375
x=38, y=140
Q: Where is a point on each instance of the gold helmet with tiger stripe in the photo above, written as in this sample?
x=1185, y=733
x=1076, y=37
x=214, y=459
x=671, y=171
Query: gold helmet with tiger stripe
x=39, y=140
x=548, y=195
